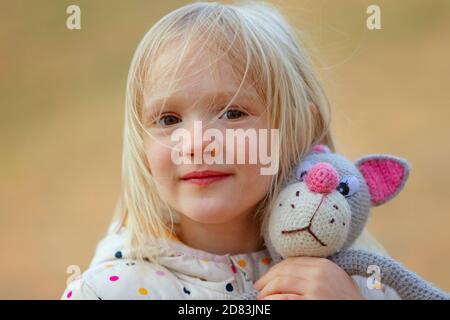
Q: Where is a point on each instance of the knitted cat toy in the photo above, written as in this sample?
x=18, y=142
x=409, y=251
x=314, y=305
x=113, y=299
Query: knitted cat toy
x=325, y=207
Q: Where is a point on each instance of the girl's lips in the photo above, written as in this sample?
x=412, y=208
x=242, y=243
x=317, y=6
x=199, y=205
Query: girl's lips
x=204, y=177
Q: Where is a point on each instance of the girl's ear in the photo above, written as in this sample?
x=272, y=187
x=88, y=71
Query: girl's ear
x=385, y=176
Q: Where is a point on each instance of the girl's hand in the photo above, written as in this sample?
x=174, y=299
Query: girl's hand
x=298, y=278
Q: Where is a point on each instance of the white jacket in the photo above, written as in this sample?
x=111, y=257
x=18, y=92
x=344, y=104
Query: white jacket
x=185, y=273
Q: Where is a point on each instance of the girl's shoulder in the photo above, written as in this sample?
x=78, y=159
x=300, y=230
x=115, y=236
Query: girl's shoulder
x=111, y=275
x=181, y=272
x=123, y=279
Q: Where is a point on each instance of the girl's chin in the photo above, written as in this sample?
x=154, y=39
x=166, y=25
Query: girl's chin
x=203, y=214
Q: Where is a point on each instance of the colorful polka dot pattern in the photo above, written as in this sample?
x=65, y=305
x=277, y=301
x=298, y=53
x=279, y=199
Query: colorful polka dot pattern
x=113, y=278
x=142, y=291
x=229, y=287
x=242, y=263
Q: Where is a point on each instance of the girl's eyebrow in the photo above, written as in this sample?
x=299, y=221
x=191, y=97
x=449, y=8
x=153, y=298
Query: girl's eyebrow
x=219, y=96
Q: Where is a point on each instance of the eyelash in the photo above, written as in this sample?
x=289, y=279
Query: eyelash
x=243, y=114
x=167, y=115
x=236, y=108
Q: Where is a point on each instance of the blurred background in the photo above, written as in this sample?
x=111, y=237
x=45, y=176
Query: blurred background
x=61, y=100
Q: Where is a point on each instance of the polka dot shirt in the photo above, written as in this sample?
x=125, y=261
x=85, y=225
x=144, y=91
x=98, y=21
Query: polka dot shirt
x=183, y=273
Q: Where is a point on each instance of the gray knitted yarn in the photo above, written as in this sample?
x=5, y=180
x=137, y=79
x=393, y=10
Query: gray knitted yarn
x=408, y=285
x=380, y=178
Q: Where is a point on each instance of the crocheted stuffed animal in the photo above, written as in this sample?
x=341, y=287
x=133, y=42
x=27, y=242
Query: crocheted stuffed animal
x=325, y=207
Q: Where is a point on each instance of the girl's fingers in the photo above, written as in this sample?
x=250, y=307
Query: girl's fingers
x=284, y=285
x=305, y=261
x=299, y=261
x=288, y=296
x=292, y=270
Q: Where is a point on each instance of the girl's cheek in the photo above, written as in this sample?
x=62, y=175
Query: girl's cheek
x=251, y=177
x=159, y=158
x=256, y=186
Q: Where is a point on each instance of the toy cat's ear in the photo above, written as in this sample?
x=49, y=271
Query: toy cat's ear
x=319, y=148
x=385, y=176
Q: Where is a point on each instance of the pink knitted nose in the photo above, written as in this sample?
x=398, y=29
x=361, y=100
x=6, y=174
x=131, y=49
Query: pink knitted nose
x=322, y=178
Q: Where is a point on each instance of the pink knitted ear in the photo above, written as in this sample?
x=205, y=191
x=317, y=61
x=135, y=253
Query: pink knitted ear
x=385, y=176
x=320, y=148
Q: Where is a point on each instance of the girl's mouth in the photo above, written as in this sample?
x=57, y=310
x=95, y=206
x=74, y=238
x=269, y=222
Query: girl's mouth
x=203, y=178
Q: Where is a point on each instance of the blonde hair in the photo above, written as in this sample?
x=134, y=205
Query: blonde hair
x=262, y=46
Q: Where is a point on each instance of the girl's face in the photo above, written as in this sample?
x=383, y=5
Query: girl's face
x=227, y=191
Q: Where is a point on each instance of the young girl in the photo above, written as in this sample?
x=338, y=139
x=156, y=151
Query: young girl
x=192, y=230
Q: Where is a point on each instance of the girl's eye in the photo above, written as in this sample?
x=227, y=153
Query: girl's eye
x=302, y=170
x=348, y=186
x=169, y=120
x=233, y=114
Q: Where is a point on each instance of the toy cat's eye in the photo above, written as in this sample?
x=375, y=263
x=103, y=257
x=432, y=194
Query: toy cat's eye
x=302, y=170
x=348, y=186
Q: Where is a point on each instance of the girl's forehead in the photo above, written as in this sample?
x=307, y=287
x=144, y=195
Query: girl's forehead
x=196, y=79
x=186, y=66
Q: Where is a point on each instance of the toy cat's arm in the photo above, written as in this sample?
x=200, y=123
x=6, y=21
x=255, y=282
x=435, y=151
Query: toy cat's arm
x=408, y=285
x=251, y=295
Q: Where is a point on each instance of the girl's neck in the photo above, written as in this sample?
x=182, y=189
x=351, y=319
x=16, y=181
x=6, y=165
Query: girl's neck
x=232, y=237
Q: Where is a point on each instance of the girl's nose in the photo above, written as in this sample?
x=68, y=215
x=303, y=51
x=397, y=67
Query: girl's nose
x=193, y=147
x=322, y=178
